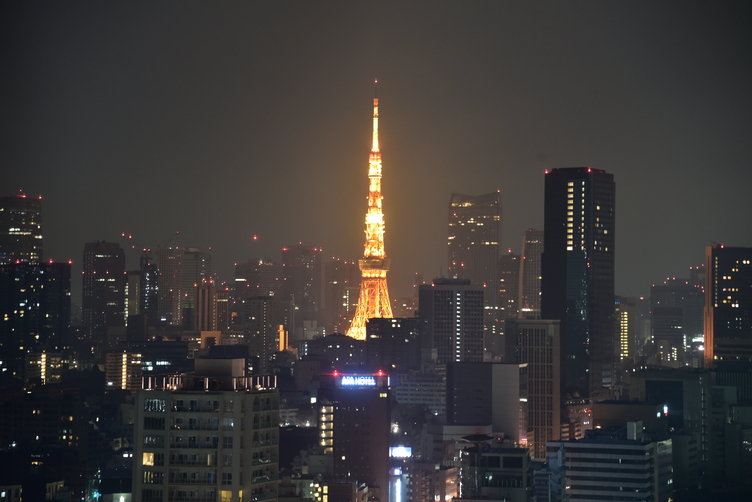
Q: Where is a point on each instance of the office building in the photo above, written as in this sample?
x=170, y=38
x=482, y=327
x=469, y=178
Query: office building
x=577, y=285
x=35, y=310
x=493, y=470
x=212, y=437
x=123, y=370
x=20, y=229
x=509, y=286
x=259, y=277
x=613, y=466
x=394, y=345
x=354, y=422
x=453, y=312
x=489, y=393
x=473, y=241
x=535, y=342
x=303, y=272
x=104, y=281
x=530, y=274
x=626, y=325
x=728, y=305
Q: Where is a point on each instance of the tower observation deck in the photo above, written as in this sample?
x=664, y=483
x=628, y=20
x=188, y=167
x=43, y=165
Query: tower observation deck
x=373, y=300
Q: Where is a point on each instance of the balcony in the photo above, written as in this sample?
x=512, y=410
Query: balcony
x=185, y=480
x=198, y=446
x=262, y=461
x=263, y=479
x=263, y=496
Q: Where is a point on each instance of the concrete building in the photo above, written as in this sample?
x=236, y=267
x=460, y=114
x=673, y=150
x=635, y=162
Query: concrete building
x=354, y=422
x=203, y=438
x=453, y=311
x=489, y=393
x=625, y=466
x=536, y=343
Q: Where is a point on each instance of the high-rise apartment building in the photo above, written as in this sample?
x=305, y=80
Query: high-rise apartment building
x=535, y=342
x=207, y=438
x=473, y=242
x=354, y=423
x=728, y=305
x=530, y=274
x=577, y=285
x=303, y=272
x=20, y=229
x=35, y=308
x=453, y=312
x=104, y=281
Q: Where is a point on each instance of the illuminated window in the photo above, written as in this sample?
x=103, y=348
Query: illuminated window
x=148, y=459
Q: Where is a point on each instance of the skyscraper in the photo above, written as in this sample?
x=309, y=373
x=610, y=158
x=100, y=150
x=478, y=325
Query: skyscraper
x=35, y=308
x=373, y=300
x=530, y=274
x=303, y=273
x=728, y=305
x=20, y=229
x=341, y=288
x=578, y=276
x=453, y=310
x=104, y=280
x=473, y=242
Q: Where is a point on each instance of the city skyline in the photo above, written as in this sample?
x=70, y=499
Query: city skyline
x=226, y=122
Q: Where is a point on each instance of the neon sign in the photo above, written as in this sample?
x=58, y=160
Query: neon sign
x=358, y=381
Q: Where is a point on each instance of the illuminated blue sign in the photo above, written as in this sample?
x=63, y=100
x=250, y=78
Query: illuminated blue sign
x=358, y=381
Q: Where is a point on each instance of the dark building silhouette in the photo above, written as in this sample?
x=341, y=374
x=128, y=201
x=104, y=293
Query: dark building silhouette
x=355, y=420
x=341, y=290
x=530, y=274
x=20, y=229
x=578, y=276
x=535, y=342
x=104, y=281
x=35, y=308
x=728, y=305
x=474, y=238
x=453, y=311
x=303, y=273
x=394, y=345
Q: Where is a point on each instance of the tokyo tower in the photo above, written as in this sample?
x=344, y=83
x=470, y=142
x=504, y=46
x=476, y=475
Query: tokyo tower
x=374, y=295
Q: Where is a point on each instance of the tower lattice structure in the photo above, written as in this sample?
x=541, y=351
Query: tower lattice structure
x=374, y=295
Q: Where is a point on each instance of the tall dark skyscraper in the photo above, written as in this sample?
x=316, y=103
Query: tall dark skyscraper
x=35, y=308
x=104, y=282
x=728, y=305
x=577, y=284
x=20, y=229
x=530, y=274
x=303, y=272
x=474, y=238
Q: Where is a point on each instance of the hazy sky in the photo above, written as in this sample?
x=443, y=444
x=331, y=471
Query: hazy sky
x=222, y=120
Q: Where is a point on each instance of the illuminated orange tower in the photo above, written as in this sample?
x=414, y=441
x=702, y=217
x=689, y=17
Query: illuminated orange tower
x=374, y=295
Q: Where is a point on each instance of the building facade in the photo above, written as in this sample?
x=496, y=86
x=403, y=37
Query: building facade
x=728, y=305
x=20, y=229
x=104, y=281
x=453, y=312
x=530, y=274
x=206, y=439
x=577, y=284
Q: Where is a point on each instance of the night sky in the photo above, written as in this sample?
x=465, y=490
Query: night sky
x=224, y=120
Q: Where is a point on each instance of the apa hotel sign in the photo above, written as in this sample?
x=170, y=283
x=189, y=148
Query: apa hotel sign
x=358, y=381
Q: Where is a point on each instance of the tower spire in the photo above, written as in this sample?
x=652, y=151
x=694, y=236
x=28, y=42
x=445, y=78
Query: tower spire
x=374, y=295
